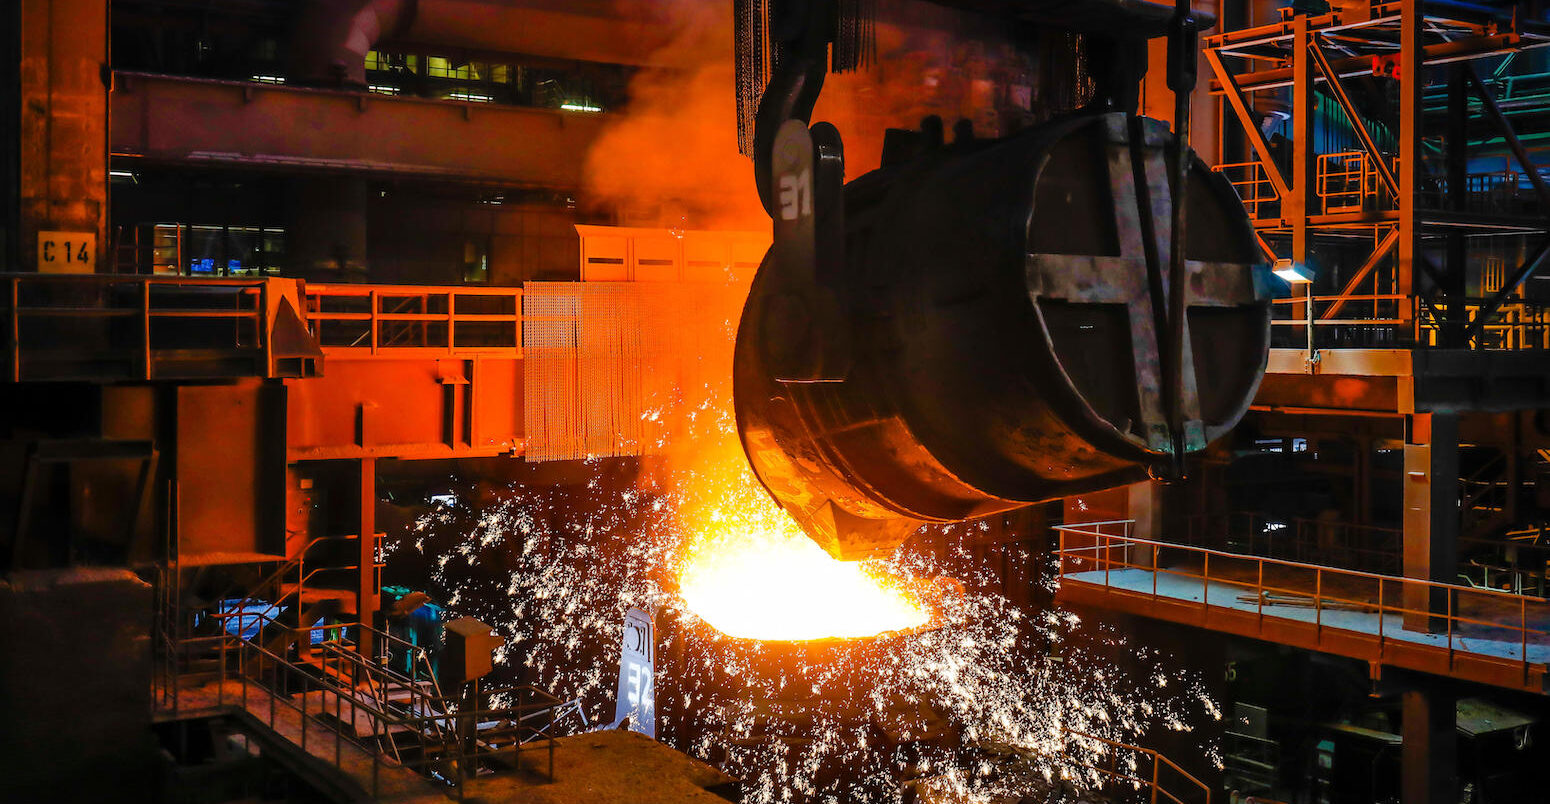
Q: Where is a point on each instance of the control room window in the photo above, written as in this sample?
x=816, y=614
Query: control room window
x=216, y=251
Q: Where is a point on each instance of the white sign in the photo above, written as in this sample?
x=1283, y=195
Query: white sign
x=637, y=697
x=67, y=252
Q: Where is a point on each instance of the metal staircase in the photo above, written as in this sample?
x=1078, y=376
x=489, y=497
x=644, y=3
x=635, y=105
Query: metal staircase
x=287, y=652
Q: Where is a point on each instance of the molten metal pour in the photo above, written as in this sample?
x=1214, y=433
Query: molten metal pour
x=753, y=573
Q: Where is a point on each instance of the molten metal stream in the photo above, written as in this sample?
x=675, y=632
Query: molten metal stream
x=752, y=573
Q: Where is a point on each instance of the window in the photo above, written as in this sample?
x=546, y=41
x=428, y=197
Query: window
x=216, y=251
x=476, y=261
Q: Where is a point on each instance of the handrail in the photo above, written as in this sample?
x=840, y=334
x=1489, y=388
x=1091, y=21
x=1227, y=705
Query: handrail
x=1158, y=762
x=1252, y=183
x=273, y=580
x=1518, y=324
x=1110, y=552
x=388, y=319
x=288, y=681
x=1370, y=575
x=144, y=306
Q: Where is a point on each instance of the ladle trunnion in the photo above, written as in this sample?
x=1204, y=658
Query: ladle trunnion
x=985, y=325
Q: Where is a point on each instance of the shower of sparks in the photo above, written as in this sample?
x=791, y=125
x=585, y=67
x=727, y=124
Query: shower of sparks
x=974, y=706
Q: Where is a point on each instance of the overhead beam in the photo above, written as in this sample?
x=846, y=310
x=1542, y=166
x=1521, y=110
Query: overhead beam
x=1472, y=48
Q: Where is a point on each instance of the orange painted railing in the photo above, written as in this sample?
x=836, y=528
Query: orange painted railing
x=400, y=319
x=1253, y=185
x=1155, y=783
x=1448, y=613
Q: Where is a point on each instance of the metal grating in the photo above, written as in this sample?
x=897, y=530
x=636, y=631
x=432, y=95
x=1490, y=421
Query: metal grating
x=613, y=367
x=581, y=379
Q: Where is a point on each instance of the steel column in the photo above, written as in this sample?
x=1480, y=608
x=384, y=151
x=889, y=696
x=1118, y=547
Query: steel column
x=1410, y=109
x=1457, y=260
x=367, y=594
x=1429, y=753
x=1303, y=201
x=1431, y=524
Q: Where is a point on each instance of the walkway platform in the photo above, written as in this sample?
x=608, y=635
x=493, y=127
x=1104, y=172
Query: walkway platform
x=1472, y=634
x=594, y=768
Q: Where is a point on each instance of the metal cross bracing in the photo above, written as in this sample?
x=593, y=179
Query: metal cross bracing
x=1378, y=147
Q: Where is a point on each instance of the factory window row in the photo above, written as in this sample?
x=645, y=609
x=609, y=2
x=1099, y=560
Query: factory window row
x=200, y=250
x=582, y=87
x=148, y=37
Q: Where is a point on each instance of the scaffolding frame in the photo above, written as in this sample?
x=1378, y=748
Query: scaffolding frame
x=1385, y=191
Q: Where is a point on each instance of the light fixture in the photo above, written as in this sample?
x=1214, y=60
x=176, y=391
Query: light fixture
x=580, y=107
x=1295, y=273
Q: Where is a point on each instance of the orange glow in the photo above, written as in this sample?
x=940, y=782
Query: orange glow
x=777, y=584
x=750, y=572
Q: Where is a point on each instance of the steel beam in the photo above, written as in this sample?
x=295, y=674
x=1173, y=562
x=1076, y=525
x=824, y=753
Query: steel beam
x=1473, y=48
x=1234, y=97
x=1509, y=134
x=1382, y=250
x=1410, y=152
x=367, y=600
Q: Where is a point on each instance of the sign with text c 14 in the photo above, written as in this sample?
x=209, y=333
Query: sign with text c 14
x=67, y=252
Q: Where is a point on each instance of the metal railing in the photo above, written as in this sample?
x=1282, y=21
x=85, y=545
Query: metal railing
x=1499, y=192
x=1253, y=186
x=1377, y=320
x=1448, y=613
x=66, y=326
x=1517, y=325
x=1127, y=765
x=345, y=694
x=1345, y=182
x=400, y=319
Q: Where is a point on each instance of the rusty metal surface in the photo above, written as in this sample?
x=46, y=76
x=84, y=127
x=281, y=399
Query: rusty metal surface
x=1004, y=336
x=63, y=164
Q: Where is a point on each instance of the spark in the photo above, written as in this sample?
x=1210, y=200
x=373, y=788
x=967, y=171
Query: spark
x=951, y=695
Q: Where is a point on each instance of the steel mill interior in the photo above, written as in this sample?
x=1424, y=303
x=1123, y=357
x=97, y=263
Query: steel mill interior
x=775, y=401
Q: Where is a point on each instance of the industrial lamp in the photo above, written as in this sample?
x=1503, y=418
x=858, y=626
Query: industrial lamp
x=1295, y=273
